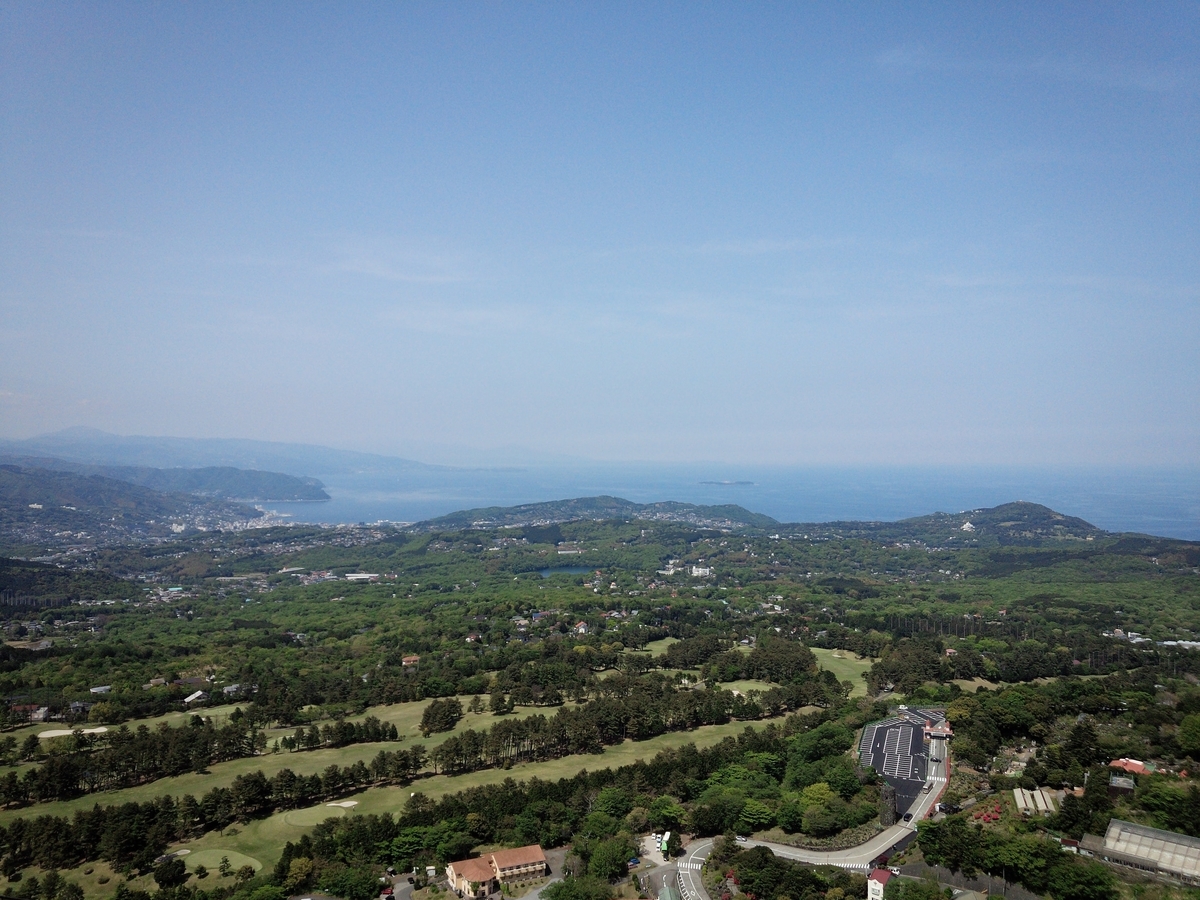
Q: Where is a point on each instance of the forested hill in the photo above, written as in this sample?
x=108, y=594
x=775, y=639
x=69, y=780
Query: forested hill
x=38, y=506
x=598, y=509
x=215, y=482
x=1010, y=524
x=1018, y=524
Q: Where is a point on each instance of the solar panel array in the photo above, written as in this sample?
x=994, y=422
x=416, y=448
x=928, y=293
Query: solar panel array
x=897, y=760
x=865, y=755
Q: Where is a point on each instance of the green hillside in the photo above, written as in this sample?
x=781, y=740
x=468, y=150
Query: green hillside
x=598, y=509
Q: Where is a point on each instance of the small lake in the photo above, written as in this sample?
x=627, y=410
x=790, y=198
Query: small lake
x=565, y=570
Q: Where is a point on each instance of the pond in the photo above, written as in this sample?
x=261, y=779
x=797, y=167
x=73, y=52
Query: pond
x=565, y=570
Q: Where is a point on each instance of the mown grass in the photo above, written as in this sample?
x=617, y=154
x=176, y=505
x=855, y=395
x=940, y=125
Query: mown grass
x=659, y=647
x=846, y=667
x=746, y=685
x=261, y=842
x=406, y=716
x=174, y=719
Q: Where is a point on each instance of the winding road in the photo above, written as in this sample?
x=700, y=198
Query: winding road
x=859, y=859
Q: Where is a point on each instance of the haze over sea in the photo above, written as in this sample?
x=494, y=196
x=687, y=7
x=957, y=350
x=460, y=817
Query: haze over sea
x=1154, y=501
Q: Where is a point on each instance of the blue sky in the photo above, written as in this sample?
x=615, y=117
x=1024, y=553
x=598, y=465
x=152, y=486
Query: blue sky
x=863, y=234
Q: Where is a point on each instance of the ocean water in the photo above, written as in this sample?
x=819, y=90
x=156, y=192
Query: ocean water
x=1163, y=502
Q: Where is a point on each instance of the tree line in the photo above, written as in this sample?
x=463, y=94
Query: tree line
x=88, y=763
x=130, y=836
x=1040, y=865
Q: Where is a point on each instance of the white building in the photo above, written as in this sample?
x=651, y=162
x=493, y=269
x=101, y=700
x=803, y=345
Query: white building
x=876, y=882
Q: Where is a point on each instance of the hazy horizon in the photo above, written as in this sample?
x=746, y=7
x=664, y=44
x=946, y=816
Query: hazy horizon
x=1153, y=500
x=793, y=236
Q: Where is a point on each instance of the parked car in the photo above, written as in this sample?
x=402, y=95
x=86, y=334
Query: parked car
x=908, y=817
x=741, y=838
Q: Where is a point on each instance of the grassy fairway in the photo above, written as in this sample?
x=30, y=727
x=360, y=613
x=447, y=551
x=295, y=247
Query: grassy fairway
x=377, y=800
x=174, y=719
x=407, y=717
x=259, y=843
x=746, y=685
x=658, y=648
x=315, y=761
x=220, y=775
x=846, y=667
x=211, y=860
x=263, y=839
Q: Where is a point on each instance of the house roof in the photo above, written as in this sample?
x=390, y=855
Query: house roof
x=521, y=856
x=1136, y=766
x=475, y=869
x=880, y=875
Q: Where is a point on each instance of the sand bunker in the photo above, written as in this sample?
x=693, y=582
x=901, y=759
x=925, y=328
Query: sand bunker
x=66, y=732
x=344, y=804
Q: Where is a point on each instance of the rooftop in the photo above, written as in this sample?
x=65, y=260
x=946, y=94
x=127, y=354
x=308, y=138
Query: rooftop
x=1173, y=853
x=521, y=856
x=475, y=869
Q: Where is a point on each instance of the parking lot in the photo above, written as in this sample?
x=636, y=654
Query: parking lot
x=896, y=749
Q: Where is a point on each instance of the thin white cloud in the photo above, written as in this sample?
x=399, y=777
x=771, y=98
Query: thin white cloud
x=1167, y=77
x=394, y=260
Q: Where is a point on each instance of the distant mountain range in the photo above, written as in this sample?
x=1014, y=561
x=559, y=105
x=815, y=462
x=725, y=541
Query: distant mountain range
x=213, y=482
x=95, y=447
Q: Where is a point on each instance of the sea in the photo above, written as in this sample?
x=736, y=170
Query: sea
x=1163, y=502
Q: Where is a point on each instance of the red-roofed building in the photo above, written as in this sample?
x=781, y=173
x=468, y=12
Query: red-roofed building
x=1132, y=766
x=876, y=882
x=471, y=877
x=483, y=875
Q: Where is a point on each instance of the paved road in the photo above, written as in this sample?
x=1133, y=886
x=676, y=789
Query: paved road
x=859, y=859
x=690, y=885
x=536, y=894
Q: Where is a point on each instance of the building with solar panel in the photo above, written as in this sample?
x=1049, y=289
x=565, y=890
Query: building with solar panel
x=1162, y=854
